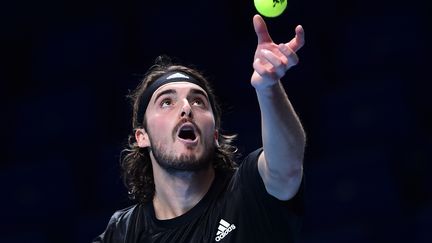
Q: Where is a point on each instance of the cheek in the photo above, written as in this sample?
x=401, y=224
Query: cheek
x=209, y=124
x=159, y=123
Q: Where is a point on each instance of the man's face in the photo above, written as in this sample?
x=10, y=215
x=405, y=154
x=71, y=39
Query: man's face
x=181, y=128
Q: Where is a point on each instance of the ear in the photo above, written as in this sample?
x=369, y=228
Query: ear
x=142, y=138
x=216, y=137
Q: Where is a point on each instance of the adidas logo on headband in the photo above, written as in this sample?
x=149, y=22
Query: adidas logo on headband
x=177, y=75
x=164, y=79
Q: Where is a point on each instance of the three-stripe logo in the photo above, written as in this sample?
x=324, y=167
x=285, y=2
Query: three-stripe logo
x=224, y=229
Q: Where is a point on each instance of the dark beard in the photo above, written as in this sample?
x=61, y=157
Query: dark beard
x=183, y=163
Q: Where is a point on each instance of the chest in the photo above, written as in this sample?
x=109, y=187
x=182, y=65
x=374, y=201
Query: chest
x=229, y=220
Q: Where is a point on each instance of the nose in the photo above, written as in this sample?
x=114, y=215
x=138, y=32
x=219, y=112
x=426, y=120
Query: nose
x=186, y=109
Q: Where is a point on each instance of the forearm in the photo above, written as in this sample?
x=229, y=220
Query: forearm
x=283, y=136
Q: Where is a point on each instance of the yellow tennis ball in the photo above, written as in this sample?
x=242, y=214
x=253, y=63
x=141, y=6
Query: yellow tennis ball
x=270, y=8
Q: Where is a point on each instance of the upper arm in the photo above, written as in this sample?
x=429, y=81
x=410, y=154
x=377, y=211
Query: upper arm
x=281, y=184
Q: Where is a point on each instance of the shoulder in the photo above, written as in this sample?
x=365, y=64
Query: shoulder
x=119, y=225
x=246, y=176
x=249, y=165
x=249, y=176
x=123, y=218
x=250, y=161
x=125, y=213
x=253, y=156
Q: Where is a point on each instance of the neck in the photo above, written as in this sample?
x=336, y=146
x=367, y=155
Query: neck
x=178, y=192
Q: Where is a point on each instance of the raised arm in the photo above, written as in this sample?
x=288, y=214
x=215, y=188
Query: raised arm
x=283, y=138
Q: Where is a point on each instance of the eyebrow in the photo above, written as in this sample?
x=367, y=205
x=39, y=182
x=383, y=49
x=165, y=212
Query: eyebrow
x=172, y=91
x=199, y=92
x=168, y=91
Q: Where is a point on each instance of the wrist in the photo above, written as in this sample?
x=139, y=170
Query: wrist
x=269, y=89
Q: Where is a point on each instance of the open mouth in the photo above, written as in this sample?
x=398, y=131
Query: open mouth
x=187, y=132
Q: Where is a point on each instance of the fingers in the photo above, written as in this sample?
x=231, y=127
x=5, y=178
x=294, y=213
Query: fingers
x=260, y=68
x=261, y=29
x=263, y=35
x=278, y=64
x=271, y=60
x=289, y=54
x=274, y=65
x=284, y=58
x=298, y=41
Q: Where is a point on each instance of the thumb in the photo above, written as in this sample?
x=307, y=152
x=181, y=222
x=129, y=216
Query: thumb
x=261, y=29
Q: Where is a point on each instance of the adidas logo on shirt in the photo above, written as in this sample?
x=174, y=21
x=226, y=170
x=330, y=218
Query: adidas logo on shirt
x=224, y=229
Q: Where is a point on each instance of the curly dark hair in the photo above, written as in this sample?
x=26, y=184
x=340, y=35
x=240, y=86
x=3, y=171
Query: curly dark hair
x=135, y=162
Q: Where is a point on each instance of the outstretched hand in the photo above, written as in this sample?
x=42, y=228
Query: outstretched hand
x=271, y=61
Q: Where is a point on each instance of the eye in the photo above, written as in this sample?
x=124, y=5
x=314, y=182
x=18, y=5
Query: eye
x=166, y=103
x=198, y=102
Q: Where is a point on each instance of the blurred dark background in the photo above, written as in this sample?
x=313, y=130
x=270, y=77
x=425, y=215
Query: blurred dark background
x=361, y=89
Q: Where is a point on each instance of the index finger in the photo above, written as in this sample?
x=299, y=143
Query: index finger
x=261, y=29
